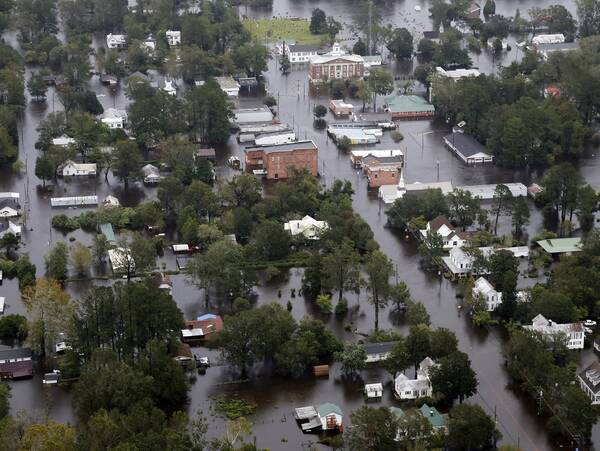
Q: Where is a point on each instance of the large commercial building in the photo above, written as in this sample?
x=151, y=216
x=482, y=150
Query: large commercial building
x=274, y=162
x=336, y=64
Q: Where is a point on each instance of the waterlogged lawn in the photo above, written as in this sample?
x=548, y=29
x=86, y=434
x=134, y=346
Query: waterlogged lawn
x=274, y=30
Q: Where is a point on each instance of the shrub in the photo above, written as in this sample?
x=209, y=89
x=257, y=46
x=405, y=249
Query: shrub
x=64, y=223
x=324, y=303
x=397, y=136
x=270, y=101
x=344, y=143
x=341, y=308
x=233, y=409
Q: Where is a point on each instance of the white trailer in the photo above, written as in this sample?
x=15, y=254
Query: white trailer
x=275, y=138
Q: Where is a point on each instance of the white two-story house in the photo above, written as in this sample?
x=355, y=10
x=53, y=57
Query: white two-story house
x=450, y=237
x=484, y=288
x=406, y=388
x=574, y=333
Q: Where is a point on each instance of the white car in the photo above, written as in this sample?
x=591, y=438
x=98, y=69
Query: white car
x=203, y=362
x=589, y=323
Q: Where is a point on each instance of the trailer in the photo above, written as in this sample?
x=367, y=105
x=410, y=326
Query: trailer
x=75, y=201
x=271, y=139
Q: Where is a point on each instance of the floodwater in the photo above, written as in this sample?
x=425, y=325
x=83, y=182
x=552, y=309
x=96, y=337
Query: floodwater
x=273, y=421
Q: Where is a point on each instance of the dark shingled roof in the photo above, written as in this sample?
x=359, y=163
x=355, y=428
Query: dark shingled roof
x=466, y=145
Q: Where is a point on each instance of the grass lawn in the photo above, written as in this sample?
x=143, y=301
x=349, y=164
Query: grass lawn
x=278, y=29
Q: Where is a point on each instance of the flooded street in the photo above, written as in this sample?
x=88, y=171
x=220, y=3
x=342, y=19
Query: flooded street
x=276, y=399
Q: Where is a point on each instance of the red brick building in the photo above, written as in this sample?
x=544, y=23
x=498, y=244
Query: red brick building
x=383, y=174
x=336, y=65
x=275, y=160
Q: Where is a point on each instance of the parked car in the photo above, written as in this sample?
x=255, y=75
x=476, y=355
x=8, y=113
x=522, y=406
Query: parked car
x=203, y=362
x=589, y=323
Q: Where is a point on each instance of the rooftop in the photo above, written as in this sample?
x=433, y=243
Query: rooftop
x=408, y=104
x=561, y=245
x=436, y=419
x=465, y=144
x=287, y=147
x=227, y=82
x=379, y=348
x=591, y=376
x=328, y=408
x=303, y=48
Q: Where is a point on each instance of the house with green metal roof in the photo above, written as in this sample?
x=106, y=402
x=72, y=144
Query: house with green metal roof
x=330, y=415
x=561, y=245
x=437, y=420
x=409, y=107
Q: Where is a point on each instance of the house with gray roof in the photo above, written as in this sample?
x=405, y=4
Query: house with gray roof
x=468, y=149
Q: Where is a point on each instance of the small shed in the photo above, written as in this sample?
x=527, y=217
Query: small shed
x=208, y=154
x=52, y=378
x=180, y=248
x=2, y=304
x=321, y=370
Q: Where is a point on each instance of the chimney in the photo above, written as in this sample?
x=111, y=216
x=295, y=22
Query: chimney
x=430, y=412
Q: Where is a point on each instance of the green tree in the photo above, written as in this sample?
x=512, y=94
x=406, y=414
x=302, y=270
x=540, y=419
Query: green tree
x=520, y=215
x=398, y=360
x=381, y=83
x=416, y=313
x=12, y=327
x=272, y=242
x=81, y=259
x=285, y=64
x=379, y=269
x=470, y=428
x=320, y=111
x=56, y=262
x=442, y=342
x=242, y=191
x=464, y=208
x=401, y=43
x=400, y=296
x=107, y=383
x=341, y=268
x=359, y=48
x=489, y=9
x=501, y=203
x=4, y=400
x=44, y=168
x=587, y=205
x=373, y=429
x=49, y=309
x=318, y=21
x=8, y=151
x=51, y=435
x=9, y=242
x=127, y=162
x=426, y=49
x=588, y=12
x=353, y=358
x=418, y=343
x=453, y=377
x=143, y=252
x=37, y=86
x=100, y=248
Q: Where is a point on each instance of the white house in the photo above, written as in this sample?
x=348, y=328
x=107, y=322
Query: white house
x=114, y=118
x=63, y=141
x=450, y=237
x=8, y=227
x=151, y=174
x=300, y=53
x=71, y=169
x=116, y=41
x=307, y=226
x=330, y=415
x=574, y=333
x=484, y=288
x=173, y=37
x=229, y=86
x=589, y=381
x=406, y=388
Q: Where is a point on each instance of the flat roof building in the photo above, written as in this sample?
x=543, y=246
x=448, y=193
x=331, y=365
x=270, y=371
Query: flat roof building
x=274, y=161
x=409, y=107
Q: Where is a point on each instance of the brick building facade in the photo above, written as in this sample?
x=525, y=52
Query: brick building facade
x=276, y=160
x=336, y=65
